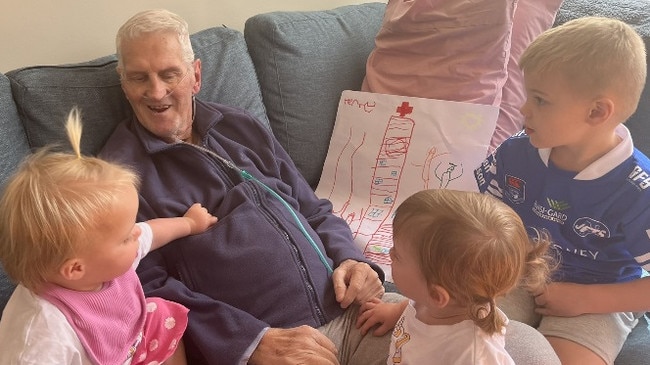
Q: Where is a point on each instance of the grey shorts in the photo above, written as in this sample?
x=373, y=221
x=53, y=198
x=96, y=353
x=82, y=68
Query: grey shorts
x=604, y=334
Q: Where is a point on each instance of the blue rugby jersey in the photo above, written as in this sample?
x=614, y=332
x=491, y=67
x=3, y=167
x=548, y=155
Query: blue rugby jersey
x=599, y=219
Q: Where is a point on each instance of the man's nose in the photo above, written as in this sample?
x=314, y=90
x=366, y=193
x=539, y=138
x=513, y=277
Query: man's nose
x=156, y=89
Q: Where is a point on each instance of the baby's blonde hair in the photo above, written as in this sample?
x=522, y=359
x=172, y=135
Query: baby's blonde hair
x=595, y=55
x=49, y=205
x=472, y=245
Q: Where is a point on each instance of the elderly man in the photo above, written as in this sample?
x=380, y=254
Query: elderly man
x=279, y=265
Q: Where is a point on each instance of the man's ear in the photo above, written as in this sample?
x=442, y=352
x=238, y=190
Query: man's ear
x=197, y=76
x=601, y=111
x=438, y=295
x=73, y=269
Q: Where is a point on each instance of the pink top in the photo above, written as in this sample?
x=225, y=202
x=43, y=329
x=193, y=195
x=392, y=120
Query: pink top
x=117, y=323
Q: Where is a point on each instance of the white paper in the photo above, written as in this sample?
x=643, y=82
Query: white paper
x=385, y=148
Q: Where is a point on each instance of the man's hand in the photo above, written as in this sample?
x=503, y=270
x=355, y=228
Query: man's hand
x=300, y=345
x=356, y=282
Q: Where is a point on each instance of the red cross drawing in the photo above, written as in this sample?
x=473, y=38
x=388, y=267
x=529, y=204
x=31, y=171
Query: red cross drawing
x=404, y=109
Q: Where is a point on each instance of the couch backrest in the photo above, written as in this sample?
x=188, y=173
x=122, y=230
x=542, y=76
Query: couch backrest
x=13, y=144
x=44, y=96
x=13, y=147
x=304, y=60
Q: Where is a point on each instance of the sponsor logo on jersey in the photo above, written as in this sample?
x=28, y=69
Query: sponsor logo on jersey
x=557, y=204
x=639, y=177
x=515, y=189
x=549, y=212
x=586, y=226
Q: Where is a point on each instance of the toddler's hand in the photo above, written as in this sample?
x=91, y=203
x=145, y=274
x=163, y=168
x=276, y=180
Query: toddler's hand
x=377, y=313
x=199, y=218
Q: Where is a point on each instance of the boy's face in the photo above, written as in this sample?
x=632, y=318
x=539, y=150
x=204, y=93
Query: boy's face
x=556, y=115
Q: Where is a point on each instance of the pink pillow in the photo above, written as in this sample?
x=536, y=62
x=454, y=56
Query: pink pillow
x=459, y=51
x=442, y=49
x=532, y=17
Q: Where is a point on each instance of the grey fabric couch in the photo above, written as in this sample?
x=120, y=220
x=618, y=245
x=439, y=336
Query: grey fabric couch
x=286, y=68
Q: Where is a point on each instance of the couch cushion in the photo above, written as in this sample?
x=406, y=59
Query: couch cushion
x=228, y=75
x=635, y=349
x=304, y=60
x=13, y=147
x=14, y=141
x=45, y=94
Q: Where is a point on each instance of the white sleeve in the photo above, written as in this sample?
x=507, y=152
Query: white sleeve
x=145, y=240
x=33, y=331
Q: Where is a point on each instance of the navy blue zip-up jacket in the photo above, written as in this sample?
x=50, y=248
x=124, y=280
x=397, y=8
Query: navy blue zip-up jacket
x=254, y=268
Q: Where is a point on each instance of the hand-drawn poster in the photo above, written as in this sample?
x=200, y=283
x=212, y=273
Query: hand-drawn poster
x=385, y=148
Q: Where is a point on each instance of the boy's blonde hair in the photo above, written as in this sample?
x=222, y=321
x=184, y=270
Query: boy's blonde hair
x=474, y=246
x=595, y=55
x=49, y=205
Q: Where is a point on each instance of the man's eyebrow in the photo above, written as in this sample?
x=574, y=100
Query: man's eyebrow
x=166, y=70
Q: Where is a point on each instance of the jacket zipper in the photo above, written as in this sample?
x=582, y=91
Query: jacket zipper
x=275, y=221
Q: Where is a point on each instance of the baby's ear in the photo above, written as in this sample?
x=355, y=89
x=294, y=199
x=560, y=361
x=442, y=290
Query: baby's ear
x=601, y=111
x=438, y=295
x=73, y=269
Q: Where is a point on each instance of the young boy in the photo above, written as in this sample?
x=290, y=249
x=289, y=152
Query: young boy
x=575, y=173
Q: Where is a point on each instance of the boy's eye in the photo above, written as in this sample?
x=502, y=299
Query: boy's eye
x=539, y=100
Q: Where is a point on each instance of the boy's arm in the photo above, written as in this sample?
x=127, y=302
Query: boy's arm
x=568, y=299
x=196, y=219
